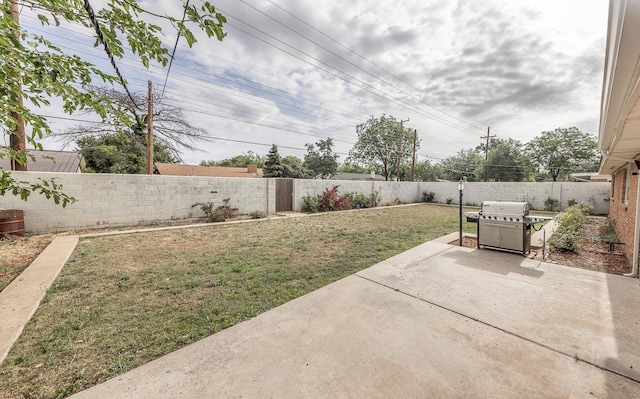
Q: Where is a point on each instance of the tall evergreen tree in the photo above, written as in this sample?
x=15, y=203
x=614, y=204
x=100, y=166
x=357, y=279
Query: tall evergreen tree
x=273, y=167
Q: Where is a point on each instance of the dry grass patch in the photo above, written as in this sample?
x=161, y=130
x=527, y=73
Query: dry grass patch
x=122, y=301
x=17, y=254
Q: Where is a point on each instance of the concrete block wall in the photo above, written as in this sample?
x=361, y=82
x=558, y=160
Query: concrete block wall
x=118, y=200
x=388, y=191
x=115, y=200
x=535, y=193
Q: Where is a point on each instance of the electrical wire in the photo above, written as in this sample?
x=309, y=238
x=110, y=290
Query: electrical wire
x=96, y=26
x=358, y=67
x=173, y=53
x=364, y=86
x=254, y=88
x=369, y=61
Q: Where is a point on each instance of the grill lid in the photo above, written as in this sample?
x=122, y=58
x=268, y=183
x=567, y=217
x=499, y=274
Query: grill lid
x=504, y=208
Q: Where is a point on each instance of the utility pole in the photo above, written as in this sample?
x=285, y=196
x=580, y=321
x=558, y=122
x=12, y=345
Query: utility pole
x=150, y=130
x=486, y=150
x=17, y=138
x=400, y=147
x=413, y=160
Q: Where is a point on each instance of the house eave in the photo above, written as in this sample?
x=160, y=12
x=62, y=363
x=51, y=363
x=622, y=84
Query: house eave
x=620, y=107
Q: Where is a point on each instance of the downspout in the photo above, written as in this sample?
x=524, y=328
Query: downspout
x=636, y=233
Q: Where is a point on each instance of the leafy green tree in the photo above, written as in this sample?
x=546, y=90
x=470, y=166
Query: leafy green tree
x=294, y=168
x=120, y=153
x=239, y=161
x=505, y=162
x=425, y=171
x=46, y=71
x=349, y=167
x=563, y=151
x=382, y=143
x=463, y=165
x=323, y=161
x=273, y=166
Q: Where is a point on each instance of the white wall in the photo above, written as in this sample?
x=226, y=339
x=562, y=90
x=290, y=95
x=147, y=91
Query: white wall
x=534, y=193
x=116, y=200
x=389, y=191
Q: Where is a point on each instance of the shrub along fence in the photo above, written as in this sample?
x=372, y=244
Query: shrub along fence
x=106, y=200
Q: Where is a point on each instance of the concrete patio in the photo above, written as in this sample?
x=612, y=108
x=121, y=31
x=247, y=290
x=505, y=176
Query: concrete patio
x=436, y=321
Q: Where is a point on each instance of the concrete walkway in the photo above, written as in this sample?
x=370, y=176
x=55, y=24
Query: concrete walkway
x=20, y=299
x=436, y=321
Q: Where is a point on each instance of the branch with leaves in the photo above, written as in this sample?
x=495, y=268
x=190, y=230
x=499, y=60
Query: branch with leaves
x=46, y=71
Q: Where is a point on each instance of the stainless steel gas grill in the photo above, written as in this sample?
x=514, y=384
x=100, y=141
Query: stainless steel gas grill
x=505, y=225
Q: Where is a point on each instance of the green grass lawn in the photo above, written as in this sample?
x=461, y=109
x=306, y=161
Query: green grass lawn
x=124, y=300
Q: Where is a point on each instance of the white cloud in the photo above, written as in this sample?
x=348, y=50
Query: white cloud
x=521, y=67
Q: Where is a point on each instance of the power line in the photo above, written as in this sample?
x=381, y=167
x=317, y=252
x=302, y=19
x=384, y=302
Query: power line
x=235, y=94
x=371, y=62
x=173, y=53
x=364, y=86
x=209, y=137
x=272, y=126
x=96, y=26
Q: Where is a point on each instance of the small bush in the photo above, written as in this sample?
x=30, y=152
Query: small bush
x=569, y=230
x=428, y=196
x=449, y=201
x=310, y=203
x=361, y=201
x=217, y=214
x=572, y=202
x=375, y=199
x=257, y=215
x=551, y=204
x=585, y=207
x=330, y=200
x=608, y=232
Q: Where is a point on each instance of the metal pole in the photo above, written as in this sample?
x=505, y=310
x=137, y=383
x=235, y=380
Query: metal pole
x=486, y=151
x=460, y=188
x=150, y=130
x=413, y=160
x=400, y=137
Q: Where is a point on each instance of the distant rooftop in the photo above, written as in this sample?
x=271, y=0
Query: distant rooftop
x=49, y=161
x=358, y=176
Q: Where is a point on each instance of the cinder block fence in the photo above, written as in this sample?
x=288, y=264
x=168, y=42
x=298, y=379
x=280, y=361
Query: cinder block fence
x=104, y=200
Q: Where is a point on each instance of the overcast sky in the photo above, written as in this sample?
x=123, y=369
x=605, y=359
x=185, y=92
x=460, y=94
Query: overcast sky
x=292, y=72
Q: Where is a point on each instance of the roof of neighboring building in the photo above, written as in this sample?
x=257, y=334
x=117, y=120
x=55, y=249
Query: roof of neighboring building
x=50, y=161
x=591, y=177
x=619, y=134
x=357, y=176
x=172, y=169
